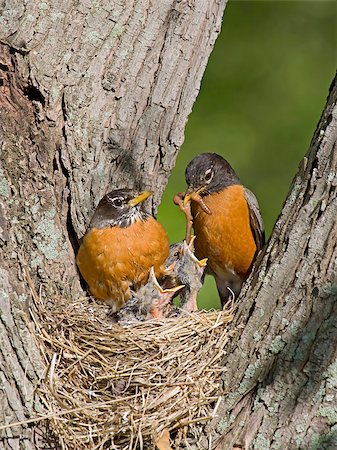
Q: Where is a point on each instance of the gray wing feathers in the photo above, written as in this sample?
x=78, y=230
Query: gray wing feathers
x=256, y=221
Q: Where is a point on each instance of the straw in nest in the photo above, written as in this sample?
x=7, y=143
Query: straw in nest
x=119, y=388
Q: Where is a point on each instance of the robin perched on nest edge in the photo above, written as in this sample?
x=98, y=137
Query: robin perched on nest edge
x=226, y=220
x=122, y=243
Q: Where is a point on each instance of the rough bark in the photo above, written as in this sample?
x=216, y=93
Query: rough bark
x=281, y=378
x=93, y=96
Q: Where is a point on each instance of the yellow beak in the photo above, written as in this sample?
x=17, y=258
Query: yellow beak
x=203, y=262
x=140, y=198
x=152, y=276
x=192, y=195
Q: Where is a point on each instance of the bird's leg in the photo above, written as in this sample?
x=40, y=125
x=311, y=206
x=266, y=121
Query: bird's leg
x=189, y=300
x=190, y=273
x=178, y=199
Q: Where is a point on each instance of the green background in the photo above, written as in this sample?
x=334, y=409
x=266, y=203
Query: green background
x=261, y=97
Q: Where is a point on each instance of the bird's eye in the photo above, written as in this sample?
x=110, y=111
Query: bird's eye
x=118, y=202
x=208, y=175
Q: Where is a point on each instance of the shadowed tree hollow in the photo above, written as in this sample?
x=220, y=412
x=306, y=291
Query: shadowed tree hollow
x=96, y=97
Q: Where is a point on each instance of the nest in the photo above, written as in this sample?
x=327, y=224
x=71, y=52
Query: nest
x=109, y=387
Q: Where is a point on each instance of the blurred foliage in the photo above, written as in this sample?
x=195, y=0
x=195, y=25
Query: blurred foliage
x=261, y=97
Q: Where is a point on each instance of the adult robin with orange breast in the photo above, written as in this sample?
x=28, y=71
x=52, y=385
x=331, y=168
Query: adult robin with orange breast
x=226, y=220
x=121, y=244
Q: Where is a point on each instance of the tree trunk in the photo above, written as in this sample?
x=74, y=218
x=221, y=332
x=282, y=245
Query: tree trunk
x=94, y=96
x=281, y=378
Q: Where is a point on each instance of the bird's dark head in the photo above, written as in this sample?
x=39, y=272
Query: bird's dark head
x=120, y=208
x=208, y=173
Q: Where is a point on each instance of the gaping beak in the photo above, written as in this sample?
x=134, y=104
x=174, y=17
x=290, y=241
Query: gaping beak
x=190, y=249
x=140, y=198
x=202, y=262
x=172, y=290
x=192, y=194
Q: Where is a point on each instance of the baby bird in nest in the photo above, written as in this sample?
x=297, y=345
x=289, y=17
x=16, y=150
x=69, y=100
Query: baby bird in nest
x=151, y=301
x=188, y=270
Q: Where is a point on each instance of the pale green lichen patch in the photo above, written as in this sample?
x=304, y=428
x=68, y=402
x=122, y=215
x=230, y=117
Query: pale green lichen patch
x=274, y=409
x=67, y=56
x=222, y=426
x=117, y=31
x=22, y=298
x=47, y=237
x=4, y=185
x=36, y=261
x=276, y=446
x=298, y=439
x=56, y=16
x=280, y=393
x=51, y=213
x=329, y=412
x=245, y=386
x=55, y=92
x=276, y=345
x=94, y=35
x=261, y=443
x=35, y=209
x=249, y=377
x=294, y=327
x=318, y=396
x=43, y=6
x=315, y=444
x=332, y=374
x=251, y=369
x=225, y=423
x=302, y=424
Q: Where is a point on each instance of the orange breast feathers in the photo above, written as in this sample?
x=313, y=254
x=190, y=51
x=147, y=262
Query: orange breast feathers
x=111, y=260
x=225, y=236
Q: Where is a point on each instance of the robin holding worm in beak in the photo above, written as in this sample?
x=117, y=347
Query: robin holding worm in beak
x=226, y=220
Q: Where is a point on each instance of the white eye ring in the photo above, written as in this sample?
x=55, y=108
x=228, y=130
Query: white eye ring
x=118, y=202
x=208, y=175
